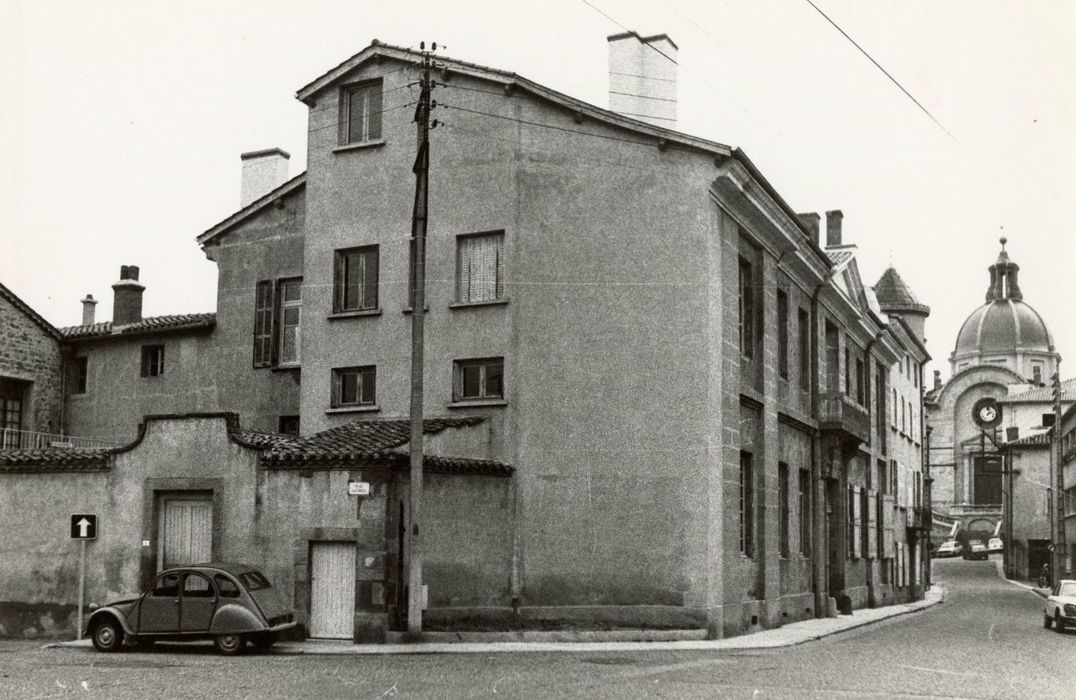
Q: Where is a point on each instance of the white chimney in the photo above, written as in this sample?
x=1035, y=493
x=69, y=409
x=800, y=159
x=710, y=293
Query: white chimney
x=263, y=172
x=89, y=305
x=642, y=77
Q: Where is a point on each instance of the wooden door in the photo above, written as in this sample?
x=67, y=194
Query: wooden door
x=185, y=531
x=332, y=590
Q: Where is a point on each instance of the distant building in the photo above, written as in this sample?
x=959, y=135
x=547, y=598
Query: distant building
x=31, y=376
x=993, y=406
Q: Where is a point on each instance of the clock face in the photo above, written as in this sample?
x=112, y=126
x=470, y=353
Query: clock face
x=987, y=414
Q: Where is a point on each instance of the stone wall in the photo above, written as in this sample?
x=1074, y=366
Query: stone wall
x=31, y=354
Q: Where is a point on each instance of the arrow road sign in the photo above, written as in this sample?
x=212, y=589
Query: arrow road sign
x=84, y=526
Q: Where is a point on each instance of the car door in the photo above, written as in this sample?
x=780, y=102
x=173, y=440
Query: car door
x=198, y=601
x=159, y=610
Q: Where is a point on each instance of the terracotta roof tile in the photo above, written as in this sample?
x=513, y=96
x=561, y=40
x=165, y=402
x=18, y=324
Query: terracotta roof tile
x=58, y=459
x=152, y=324
x=1044, y=394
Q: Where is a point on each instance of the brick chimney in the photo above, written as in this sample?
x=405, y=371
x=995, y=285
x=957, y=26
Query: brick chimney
x=813, y=223
x=88, y=310
x=127, y=304
x=833, y=227
x=263, y=172
x=642, y=77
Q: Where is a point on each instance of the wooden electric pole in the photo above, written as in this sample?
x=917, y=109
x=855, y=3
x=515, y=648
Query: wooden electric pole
x=418, y=313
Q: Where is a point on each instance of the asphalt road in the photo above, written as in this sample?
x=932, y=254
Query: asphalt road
x=985, y=641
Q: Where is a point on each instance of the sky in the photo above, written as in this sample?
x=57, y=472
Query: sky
x=121, y=125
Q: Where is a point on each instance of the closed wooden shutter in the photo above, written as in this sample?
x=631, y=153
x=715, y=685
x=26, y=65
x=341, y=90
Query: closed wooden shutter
x=263, y=324
x=857, y=519
x=872, y=524
x=480, y=268
x=887, y=525
x=332, y=590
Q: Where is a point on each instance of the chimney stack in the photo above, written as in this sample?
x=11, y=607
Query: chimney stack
x=88, y=310
x=127, y=304
x=263, y=172
x=937, y=379
x=813, y=223
x=833, y=227
x=642, y=77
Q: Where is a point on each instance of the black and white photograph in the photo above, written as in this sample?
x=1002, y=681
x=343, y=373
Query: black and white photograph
x=566, y=349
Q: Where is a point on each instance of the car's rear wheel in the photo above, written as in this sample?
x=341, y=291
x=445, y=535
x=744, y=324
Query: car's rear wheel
x=229, y=644
x=1059, y=624
x=107, y=635
x=1046, y=621
x=264, y=641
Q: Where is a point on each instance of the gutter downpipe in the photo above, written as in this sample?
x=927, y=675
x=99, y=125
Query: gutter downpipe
x=872, y=600
x=820, y=553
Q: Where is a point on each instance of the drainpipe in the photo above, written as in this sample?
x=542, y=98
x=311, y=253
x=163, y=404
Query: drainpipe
x=872, y=600
x=818, y=497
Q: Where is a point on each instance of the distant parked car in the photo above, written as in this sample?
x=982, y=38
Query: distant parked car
x=975, y=549
x=1060, y=609
x=995, y=545
x=949, y=548
x=228, y=603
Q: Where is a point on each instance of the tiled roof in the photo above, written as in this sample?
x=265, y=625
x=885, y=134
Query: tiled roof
x=374, y=440
x=1042, y=438
x=838, y=257
x=152, y=324
x=893, y=291
x=34, y=316
x=1044, y=394
x=58, y=459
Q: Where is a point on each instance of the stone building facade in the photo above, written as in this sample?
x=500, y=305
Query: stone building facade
x=31, y=375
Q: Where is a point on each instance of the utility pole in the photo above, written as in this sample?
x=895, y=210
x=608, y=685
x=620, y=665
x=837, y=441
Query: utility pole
x=1058, y=477
x=418, y=313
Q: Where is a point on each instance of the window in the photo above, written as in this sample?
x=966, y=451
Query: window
x=288, y=425
x=847, y=371
x=747, y=505
x=894, y=408
x=861, y=385
x=152, y=360
x=478, y=379
x=1036, y=373
x=832, y=357
x=360, y=114
x=291, y=303
x=805, y=512
x=805, y=349
x=355, y=279
x=354, y=386
x=747, y=309
x=77, y=373
x=11, y=402
x=196, y=586
x=883, y=478
x=263, y=324
x=226, y=586
x=782, y=333
x=480, y=268
x=167, y=586
x=783, y=494
x=880, y=409
x=903, y=418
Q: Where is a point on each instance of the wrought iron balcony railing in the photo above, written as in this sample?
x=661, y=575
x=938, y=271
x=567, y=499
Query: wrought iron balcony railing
x=11, y=439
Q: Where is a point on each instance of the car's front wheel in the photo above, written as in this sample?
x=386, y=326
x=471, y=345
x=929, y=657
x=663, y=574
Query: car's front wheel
x=1046, y=621
x=229, y=644
x=107, y=635
x=1059, y=624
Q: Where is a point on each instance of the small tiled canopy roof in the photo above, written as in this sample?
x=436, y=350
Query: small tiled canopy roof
x=54, y=459
x=152, y=324
x=374, y=441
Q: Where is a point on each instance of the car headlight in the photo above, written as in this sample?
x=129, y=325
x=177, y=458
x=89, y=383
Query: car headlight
x=93, y=606
x=1070, y=609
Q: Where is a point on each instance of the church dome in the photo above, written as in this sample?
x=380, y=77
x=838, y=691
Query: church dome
x=1005, y=324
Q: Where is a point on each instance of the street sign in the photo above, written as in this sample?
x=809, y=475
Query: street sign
x=84, y=526
x=358, y=488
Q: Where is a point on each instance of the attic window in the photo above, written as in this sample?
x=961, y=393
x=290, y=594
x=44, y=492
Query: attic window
x=360, y=112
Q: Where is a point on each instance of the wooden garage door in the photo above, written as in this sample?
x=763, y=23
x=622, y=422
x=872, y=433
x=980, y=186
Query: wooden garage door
x=186, y=532
x=332, y=590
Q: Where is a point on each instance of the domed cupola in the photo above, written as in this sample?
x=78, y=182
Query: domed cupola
x=1006, y=331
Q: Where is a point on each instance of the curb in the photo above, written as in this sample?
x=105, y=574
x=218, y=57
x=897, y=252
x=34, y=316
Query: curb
x=789, y=635
x=1041, y=592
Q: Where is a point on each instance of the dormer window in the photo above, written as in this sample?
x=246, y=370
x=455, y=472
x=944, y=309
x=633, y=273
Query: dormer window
x=360, y=113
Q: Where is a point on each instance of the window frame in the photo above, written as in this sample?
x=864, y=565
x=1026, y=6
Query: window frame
x=746, y=305
x=79, y=375
x=371, y=126
x=341, y=278
x=152, y=367
x=805, y=512
x=462, y=240
x=782, y=334
x=264, y=313
x=804, y=317
x=360, y=371
x=784, y=510
x=747, y=504
x=483, y=364
x=283, y=305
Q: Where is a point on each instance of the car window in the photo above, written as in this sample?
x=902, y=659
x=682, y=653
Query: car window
x=226, y=586
x=196, y=586
x=253, y=580
x=1066, y=589
x=167, y=586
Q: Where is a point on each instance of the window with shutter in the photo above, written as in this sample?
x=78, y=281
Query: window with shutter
x=783, y=491
x=871, y=506
x=805, y=512
x=360, y=112
x=263, y=324
x=857, y=533
x=291, y=301
x=480, y=268
x=355, y=279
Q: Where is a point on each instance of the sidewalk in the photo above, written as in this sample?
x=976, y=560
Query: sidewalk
x=786, y=636
x=1042, y=592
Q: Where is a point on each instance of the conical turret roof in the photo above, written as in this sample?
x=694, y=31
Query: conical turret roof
x=894, y=294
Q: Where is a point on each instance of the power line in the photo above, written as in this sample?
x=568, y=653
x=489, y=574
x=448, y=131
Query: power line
x=879, y=67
